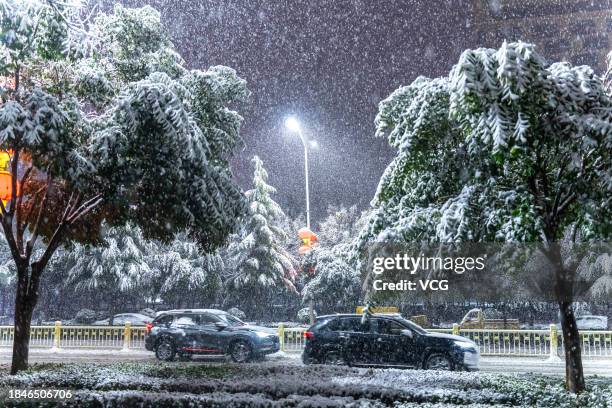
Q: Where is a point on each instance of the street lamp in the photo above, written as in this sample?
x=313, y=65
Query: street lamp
x=294, y=125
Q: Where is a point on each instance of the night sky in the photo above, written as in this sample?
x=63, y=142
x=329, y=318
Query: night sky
x=329, y=63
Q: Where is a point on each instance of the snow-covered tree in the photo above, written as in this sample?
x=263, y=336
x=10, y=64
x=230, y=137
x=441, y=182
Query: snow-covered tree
x=260, y=267
x=508, y=148
x=342, y=225
x=103, y=122
x=182, y=273
x=335, y=285
x=117, y=268
x=329, y=276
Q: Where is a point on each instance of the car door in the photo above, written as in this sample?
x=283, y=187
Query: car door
x=184, y=329
x=358, y=340
x=211, y=339
x=392, y=344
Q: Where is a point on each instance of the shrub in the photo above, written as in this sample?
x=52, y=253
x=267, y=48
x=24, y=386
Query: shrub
x=85, y=316
x=234, y=311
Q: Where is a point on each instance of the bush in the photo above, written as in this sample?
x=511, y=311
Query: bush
x=85, y=316
x=234, y=311
x=303, y=315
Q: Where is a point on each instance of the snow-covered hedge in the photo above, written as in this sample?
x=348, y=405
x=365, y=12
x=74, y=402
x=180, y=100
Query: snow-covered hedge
x=285, y=383
x=85, y=316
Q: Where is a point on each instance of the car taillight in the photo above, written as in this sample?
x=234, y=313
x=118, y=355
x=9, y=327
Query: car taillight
x=308, y=335
x=148, y=327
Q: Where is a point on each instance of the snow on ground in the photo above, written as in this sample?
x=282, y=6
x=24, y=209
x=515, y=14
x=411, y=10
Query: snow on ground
x=282, y=381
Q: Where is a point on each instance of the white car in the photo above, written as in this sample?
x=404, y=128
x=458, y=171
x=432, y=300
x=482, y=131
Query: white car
x=136, y=319
x=591, y=322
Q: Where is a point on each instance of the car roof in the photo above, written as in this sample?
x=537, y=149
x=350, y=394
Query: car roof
x=390, y=315
x=176, y=311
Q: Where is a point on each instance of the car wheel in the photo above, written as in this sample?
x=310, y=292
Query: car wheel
x=165, y=350
x=334, y=358
x=438, y=361
x=240, y=351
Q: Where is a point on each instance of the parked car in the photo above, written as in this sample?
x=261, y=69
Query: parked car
x=386, y=340
x=477, y=319
x=184, y=333
x=136, y=319
x=591, y=322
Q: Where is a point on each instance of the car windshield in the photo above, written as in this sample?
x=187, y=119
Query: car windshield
x=415, y=327
x=231, y=320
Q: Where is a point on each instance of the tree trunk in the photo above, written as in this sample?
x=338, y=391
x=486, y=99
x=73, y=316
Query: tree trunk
x=111, y=317
x=574, y=375
x=24, y=305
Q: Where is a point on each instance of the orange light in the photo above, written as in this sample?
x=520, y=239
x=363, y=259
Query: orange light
x=308, y=238
x=6, y=180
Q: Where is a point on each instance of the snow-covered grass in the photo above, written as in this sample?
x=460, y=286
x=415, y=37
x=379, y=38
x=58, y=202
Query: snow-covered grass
x=276, y=383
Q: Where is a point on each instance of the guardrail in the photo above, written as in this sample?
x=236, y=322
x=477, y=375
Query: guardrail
x=498, y=342
x=108, y=337
x=491, y=341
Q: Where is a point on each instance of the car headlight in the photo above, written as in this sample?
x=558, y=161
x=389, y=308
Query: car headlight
x=468, y=345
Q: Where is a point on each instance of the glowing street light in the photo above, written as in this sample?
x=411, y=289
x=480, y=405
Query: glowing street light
x=294, y=126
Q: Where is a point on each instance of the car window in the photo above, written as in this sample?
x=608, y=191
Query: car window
x=353, y=324
x=231, y=320
x=207, y=319
x=389, y=327
x=190, y=320
x=164, y=320
x=327, y=325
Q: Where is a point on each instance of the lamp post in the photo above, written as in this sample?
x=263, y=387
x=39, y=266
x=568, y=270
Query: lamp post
x=294, y=125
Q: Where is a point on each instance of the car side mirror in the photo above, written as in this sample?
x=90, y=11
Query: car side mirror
x=407, y=333
x=220, y=325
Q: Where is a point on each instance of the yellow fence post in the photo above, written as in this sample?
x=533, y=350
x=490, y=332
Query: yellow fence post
x=57, y=333
x=455, y=329
x=281, y=336
x=554, y=343
x=127, y=336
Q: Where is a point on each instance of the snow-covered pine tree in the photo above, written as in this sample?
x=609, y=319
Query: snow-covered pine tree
x=182, y=275
x=104, y=122
x=329, y=274
x=335, y=285
x=508, y=148
x=260, y=266
x=342, y=225
x=116, y=269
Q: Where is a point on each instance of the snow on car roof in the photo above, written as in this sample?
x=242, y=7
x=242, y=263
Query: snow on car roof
x=213, y=311
x=358, y=315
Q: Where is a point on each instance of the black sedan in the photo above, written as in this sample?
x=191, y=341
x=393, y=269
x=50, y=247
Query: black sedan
x=386, y=340
x=184, y=333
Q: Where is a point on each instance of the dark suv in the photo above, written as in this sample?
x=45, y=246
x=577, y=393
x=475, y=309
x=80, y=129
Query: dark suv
x=386, y=340
x=184, y=333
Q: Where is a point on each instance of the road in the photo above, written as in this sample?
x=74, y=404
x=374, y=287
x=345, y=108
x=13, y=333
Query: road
x=600, y=367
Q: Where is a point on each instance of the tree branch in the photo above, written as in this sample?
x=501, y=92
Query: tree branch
x=14, y=163
x=85, y=208
x=21, y=228
x=566, y=202
x=34, y=236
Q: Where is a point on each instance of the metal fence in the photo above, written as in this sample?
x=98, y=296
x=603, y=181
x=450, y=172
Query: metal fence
x=58, y=336
x=499, y=342
x=491, y=341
